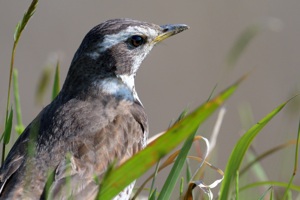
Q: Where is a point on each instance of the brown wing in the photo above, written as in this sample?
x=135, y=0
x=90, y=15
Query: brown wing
x=15, y=158
x=124, y=136
x=93, y=133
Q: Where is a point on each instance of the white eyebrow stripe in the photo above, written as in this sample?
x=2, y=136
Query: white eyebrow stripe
x=113, y=39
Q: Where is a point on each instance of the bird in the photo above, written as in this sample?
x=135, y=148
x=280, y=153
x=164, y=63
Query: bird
x=96, y=120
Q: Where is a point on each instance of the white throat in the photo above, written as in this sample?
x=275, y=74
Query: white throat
x=120, y=87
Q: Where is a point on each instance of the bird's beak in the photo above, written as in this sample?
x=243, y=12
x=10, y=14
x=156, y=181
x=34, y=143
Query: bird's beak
x=169, y=30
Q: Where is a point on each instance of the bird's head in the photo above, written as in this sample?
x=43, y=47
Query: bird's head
x=115, y=49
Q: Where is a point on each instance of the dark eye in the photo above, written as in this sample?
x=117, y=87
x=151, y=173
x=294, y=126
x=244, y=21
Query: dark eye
x=137, y=40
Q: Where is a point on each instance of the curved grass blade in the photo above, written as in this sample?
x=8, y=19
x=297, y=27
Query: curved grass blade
x=239, y=151
x=198, y=182
x=145, y=159
x=241, y=44
x=266, y=154
x=273, y=183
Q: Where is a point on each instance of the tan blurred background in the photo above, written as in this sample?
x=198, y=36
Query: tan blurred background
x=181, y=72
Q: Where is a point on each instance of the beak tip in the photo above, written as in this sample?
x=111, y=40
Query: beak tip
x=184, y=27
x=174, y=27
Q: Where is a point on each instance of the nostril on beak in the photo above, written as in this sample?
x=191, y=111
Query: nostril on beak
x=165, y=30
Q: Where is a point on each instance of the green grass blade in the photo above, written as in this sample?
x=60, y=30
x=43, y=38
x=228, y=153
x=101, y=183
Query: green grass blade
x=43, y=84
x=22, y=24
x=188, y=172
x=181, y=186
x=265, y=193
x=8, y=126
x=134, y=168
x=19, y=127
x=241, y=44
x=152, y=195
x=259, y=172
x=17, y=34
x=56, y=84
x=271, y=194
x=154, y=179
x=266, y=154
x=7, y=132
x=295, y=164
x=174, y=174
x=181, y=116
x=239, y=151
x=297, y=150
x=237, y=192
x=268, y=183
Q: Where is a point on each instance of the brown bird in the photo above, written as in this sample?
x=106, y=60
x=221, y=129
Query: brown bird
x=96, y=119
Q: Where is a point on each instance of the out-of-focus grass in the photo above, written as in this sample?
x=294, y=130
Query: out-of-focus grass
x=17, y=34
x=239, y=151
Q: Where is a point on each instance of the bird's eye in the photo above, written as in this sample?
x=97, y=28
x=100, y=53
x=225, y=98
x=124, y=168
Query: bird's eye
x=137, y=40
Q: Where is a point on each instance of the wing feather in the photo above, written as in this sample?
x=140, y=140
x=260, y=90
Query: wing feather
x=116, y=142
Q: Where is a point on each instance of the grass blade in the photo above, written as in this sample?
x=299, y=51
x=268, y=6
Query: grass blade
x=266, y=154
x=241, y=44
x=43, y=84
x=152, y=195
x=19, y=127
x=295, y=164
x=8, y=126
x=273, y=183
x=17, y=34
x=56, y=84
x=154, y=179
x=188, y=172
x=134, y=168
x=22, y=24
x=174, y=174
x=181, y=186
x=7, y=132
x=237, y=192
x=239, y=151
x=265, y=193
